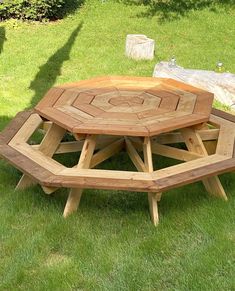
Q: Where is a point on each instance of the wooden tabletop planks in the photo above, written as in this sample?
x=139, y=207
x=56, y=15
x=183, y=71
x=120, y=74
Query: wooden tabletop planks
x=154, y=104
x=171, y=112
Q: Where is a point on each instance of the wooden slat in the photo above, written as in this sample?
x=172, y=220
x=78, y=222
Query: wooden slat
x=176, y=137
x=107, y=152
x=50, y=98
x=59, y=118
x=76, y=146
x=223, y=114
x=186, y=103
x=165, y=116
x=118, y=116
x=174, y=153
x=75, y=113
x=48, y=147
x=39, y=158
x=84, y=98
x=152, y=197
x=178, y=122
x=52, y=140
x=195, y=144
x=27, y=129
x=130, y=130
x=134, y=156
x=89, y=109
x=169, y=103
x=84, y=162
x=25, y=182
x=102, y=101
x=104, y=179
x=66, y=98
x=15, y=124
x=204, y=104
x=226, y=141
x=179, y=175
x=25, y=164
x=151, y=113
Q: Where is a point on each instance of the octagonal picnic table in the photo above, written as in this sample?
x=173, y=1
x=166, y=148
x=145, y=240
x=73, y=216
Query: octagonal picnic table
x=110, y=114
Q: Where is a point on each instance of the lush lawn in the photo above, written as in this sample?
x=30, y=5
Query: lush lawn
x=110, y=244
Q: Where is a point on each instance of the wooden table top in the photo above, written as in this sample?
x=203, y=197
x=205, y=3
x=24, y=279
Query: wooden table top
x=131, y=106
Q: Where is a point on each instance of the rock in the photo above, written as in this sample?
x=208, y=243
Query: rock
x=221, y=84
x=139, y=47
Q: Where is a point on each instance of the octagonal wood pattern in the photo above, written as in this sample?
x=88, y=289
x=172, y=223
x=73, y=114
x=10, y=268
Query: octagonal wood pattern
x=46, y=171
x=130, y=106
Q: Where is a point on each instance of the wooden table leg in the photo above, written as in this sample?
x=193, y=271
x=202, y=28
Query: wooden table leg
x=194, y=143
x=153, y=198
x=146, y=166
x=84, y=163
x=48, y=147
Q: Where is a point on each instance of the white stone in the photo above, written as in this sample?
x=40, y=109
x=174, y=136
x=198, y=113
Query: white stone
x=221, y=84
x=139, y=47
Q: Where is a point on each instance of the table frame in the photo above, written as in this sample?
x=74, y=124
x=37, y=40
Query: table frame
x=210, y=151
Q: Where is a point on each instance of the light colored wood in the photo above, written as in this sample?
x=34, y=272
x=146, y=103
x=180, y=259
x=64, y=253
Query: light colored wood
x=79, y=137
x=152, y=197
x=113, y=129
x=126, y=106
x=39, y=158
x=67, y=98
x=27, y=129
x=134, y=156
x=84, y=162
x=75, y=113
x=194, y=143
x=209, y=145
x=176, y=137
x=107, y=152
x=89, y=109
x=139, y=47
x=25, y=182
x=23, y=134
x=174, y=153
x=147, y=149
x=48, y=147
x=229, y=116
x=226, y=141
x=175, y=123
x=76, y=146
x=106, y=174
x=50, y=98
x=45, y=126
x=59, y=117
x=52, y=140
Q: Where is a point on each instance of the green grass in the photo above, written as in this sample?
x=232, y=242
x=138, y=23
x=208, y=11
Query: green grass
x=110, y=244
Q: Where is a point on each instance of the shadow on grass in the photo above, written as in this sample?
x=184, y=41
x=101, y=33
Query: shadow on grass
x=171, y=9
x=2, y=38
x=71, y=6
x=48, y=73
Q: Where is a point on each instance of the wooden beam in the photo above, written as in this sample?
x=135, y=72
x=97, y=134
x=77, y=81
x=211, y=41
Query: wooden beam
x=48, y=147
x=174, y=153
x=194, y=143
x=84, y=163
x=134, y=156
x=107, y=152
x=153, y=198
x=176, y=137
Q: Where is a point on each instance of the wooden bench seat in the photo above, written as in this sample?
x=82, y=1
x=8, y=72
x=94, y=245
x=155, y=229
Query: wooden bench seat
x=51, y=173
x=43, y=169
